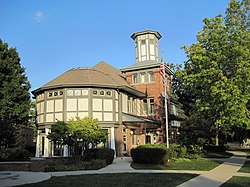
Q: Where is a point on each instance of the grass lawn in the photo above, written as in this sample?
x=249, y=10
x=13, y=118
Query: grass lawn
x=246, y=167
x=237, y=182
x=116, y=180
x=200, y=164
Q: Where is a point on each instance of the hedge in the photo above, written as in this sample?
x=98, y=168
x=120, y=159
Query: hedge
x=178, y=151
x=100, y=154
x=215, y=148
x=150, y=154
x=14, y=154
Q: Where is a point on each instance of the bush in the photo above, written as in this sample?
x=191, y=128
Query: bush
x=91, y=165
x=62, y=167
x=14, y=154
x=195, y=149
x=178, y=151
x=215, y=148
x=100, y=154
x=94, y=164
x=150, y=154
x=32, y=150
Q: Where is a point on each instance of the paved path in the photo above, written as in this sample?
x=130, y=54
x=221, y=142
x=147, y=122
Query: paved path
x=212, y=178
x=220, y=174
x=23, y=177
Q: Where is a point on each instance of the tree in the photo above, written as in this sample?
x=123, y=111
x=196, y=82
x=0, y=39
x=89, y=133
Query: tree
x=216, y=76
x=83, y=133
x=14, y=95
x=59, y=134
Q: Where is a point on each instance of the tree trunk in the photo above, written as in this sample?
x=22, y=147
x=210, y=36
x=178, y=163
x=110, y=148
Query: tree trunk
x=217, y=135
x=61, y=150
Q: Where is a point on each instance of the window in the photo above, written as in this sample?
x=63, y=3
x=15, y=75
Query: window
x=151, y=106
x=175, y=123
x=61, y=92
x=95, y=92
x=55, y=93
x=85, y=92
x=143, y=42
x=173, y=110
x=145, y=105
x=101, y=92
x=135, y=78
x=50, y=94
x=70, y=92
x=151, y=41
x=143, y=77
x=77, y=92
x=151, y=76
x=129, y=104
x=108, y=93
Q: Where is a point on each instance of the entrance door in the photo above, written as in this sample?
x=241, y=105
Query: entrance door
x=125, y=152
x=148, y=139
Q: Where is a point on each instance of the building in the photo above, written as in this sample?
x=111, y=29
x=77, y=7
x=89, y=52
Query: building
x=127, y=102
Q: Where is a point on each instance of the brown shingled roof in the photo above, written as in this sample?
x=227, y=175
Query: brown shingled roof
x=101, y=75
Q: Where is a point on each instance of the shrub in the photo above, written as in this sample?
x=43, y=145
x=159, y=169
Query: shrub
x=62, y=167
x=100, y=154
x=91, y=165
x=32, y=150
x=215, y=148
x=195, y=149
x=94, y=164
x=150, y=154
x=14, y=154
x=178, y=151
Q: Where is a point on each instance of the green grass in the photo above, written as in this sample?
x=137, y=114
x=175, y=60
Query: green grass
x=200, y=164
x=246, y=167
x=116, y=180
x=237, y=182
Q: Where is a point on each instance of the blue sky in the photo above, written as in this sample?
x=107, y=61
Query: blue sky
x=54, y=36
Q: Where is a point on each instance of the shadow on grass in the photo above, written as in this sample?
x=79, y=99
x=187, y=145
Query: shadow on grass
x=116, y=180
x=237, y=182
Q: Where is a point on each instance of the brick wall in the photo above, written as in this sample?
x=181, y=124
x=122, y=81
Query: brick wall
x=153, y=89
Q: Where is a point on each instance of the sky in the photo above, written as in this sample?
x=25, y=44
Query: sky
x=53, y=36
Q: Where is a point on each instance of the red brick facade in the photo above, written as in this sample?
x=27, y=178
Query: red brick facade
x=155, y=90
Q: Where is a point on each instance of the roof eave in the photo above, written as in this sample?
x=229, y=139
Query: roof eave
x=132, y=68
x=124, y=88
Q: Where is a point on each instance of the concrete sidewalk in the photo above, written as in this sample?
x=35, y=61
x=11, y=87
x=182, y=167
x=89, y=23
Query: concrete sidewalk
x=220, y=174
x=23, y=177
x=212, y=178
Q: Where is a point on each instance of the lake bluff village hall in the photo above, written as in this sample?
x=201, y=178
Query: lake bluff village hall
x=129, y=103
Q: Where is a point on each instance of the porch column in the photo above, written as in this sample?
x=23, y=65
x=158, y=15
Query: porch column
x=46, y=143
x=112, y=139
x=38, y=144
x=65, y=150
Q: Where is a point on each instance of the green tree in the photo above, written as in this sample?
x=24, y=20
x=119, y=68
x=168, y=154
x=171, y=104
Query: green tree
x=14, y=95
x=83, y=133
x=216, y=76
x=59, y=134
